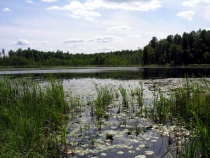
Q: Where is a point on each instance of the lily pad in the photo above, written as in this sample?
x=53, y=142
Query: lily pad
x=120, y=152
x=149, y=152
x=140, y=156
x=103, y=154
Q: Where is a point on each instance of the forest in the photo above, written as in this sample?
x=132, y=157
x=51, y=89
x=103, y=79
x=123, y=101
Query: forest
x=190, y=48
x=185, y=49
x=33, y=58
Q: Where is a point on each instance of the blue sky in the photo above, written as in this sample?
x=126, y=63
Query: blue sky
x=90, y=26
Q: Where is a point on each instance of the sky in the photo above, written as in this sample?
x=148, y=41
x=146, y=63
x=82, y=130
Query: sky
x=93, y=26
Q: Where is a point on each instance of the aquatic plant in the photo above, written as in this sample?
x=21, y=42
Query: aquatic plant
x=140, y=94
x=103, y=100
x=32, y=118
x=123, y=92
x=109, y=136
x=190, y=105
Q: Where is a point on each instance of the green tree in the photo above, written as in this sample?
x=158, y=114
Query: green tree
x=177, y=39
x=170, y=38
x=176, y=54
x=154, y=42
x=148, y=55
x=206, y=57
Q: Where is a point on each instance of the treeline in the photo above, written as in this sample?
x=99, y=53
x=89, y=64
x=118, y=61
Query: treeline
x=190, y=48
x=31, y=57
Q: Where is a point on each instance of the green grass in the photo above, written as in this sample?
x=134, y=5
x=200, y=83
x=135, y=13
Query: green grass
x=32, y=118
x=190, y=105
x=124, y=95
x=103, y=100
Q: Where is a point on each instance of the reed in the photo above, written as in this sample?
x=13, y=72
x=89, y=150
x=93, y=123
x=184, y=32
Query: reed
x=190, y=105
x=32, y=118
x=125, y=100
x=103, y=100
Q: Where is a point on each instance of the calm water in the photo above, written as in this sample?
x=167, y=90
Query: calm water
x=114, y=73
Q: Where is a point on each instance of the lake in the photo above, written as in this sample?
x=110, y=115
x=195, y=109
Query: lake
x=120, y=131
x=113, y=72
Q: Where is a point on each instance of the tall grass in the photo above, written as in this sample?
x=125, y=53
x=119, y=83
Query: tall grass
x=32, y=118
x=103, y=99
x=125, y=100
x=189, y=104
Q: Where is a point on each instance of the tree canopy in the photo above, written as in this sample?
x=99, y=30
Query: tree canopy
x=190, y=48
x=31, y=57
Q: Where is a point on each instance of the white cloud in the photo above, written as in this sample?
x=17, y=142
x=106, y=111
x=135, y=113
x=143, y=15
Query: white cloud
x=45, y=42
x=105, y=39
x=78, y=10
x=132, y=5
x=106, y=49
x=49, y=1
x=134, y=36
x=186, y=14
x=29, y=1
x=192, y=3
x=88, y=9
x=22, y=42
x=122, y=27
x=86, y=14
x=6, y=10
x=73, y=41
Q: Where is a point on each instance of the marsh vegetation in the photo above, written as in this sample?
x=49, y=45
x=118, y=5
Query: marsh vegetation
x=32, y=118
x=145, y=119
x=105, y=118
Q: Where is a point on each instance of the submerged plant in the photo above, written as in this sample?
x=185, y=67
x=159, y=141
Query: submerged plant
x=109, y=136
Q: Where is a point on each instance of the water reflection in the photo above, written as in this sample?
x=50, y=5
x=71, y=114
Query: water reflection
x=113, y=73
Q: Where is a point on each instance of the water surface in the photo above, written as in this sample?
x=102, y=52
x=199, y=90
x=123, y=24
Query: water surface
x=113, y=72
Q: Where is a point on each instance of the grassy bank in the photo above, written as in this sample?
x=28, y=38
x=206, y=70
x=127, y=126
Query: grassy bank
x=32, y=118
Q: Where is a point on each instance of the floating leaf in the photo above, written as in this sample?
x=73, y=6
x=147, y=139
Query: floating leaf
x=131, y=151
x=141, y=145
x=149, y=152
x=120, y=152
x=154, y=140
x=140, y=156
x=103, y=154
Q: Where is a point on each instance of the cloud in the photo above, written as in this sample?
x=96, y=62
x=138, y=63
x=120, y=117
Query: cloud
x=45, y=42
x=73, y=41
x=78, y=10
x=49, y=1
x=107, y=49
x=132, y=5
x=88, y=9
x=192, y=3
x=29, y=1
x=122, y=27
x=86, y=14
x=121, y=1
x=186, y=14
x=105, y=39
x=22, y=42
x=6, y=10
x=134, y=36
